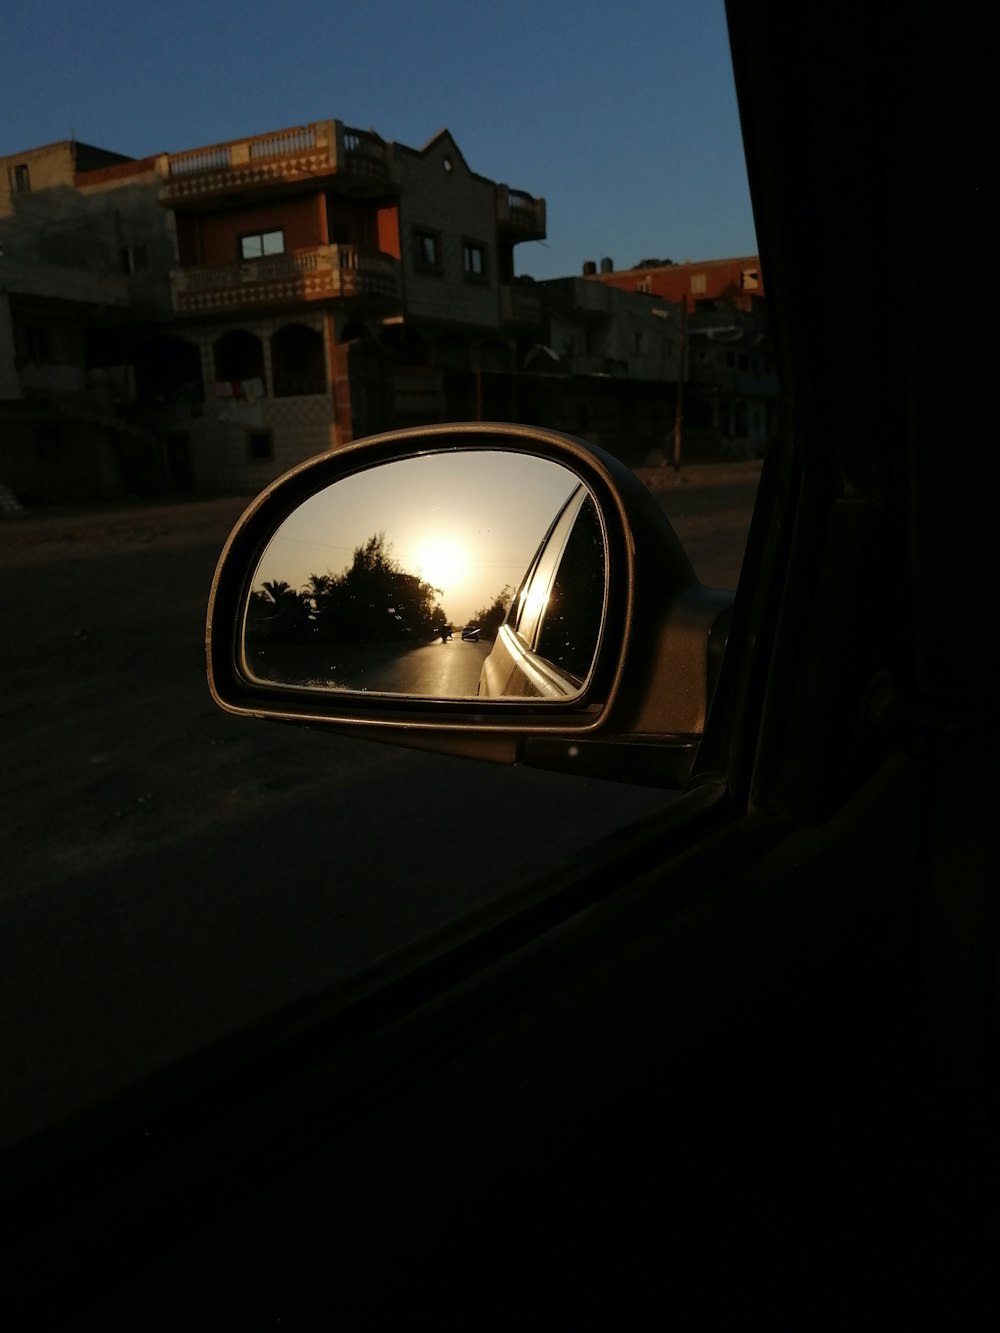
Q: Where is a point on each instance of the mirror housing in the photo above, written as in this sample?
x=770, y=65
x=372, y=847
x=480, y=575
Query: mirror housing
x=641, y=711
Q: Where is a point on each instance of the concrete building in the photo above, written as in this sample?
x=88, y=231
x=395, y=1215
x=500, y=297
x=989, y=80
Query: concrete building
x=738, y=281
x=329, y=285
x=732, y=387
x=204, y=320
x=78, y=267
x=209, y=318
x=608, y=366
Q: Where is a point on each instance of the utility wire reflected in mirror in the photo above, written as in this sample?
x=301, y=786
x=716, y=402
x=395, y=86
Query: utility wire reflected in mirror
x=407, y=579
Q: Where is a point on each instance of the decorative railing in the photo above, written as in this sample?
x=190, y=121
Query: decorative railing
x=200, y=160
x=520, y=211
x=286, y=144
x=364, y=155
x=308, y=150
x=322, y=273
x=520, y=305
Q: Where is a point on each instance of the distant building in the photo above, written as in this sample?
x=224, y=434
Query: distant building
x=730, y=386
x=735, y=280
x=731, y=390
x=607, y=367
x=78, y=268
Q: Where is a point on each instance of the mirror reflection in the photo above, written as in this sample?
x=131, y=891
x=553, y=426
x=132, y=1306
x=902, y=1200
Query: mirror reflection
x=447, y=576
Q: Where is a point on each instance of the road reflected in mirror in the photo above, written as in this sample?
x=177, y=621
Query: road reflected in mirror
x=445, y=576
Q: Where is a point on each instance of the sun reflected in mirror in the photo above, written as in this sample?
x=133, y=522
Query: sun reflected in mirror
x=442, y=563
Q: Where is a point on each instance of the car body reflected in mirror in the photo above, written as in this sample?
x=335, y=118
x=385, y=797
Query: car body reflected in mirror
x=443, y=576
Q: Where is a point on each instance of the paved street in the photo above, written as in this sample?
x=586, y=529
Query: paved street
x=420, y=669
x=170, y=873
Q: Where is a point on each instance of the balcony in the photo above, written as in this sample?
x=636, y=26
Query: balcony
x=323, y=273
x=520, y=305
x=520, y=215
x=273, y=163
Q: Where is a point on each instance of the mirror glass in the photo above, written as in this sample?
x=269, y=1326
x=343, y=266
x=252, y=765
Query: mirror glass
x=447, y=576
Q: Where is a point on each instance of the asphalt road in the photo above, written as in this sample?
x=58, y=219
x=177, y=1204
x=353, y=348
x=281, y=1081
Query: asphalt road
x=420, y=669
x=169, y=873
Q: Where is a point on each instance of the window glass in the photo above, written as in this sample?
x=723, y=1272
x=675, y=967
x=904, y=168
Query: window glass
x=571, y=622
x=427, y=249
x=533, y=595
x=474, y=260
x=262, y=244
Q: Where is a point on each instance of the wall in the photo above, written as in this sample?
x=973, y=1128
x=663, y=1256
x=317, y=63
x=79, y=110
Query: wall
x=455, y=204
x=218, y=428
x=693, y=282
x=219, y=233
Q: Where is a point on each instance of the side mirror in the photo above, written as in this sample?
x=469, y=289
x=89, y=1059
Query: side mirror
x=498, y=592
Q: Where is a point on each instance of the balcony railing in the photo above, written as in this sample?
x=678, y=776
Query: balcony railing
x=520, y=212
x=363, y=155
x=304, y=152
x=520, y=305
x=322, y=273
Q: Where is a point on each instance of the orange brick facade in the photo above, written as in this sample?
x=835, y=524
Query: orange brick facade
x=734, y=280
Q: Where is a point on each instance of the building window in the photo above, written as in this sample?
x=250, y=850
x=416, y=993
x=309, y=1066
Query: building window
x=20, y=180
x=32, y=343
x=298, y=361
x=427, y=251
x=639, y=342
x=134, y=258
x=750, y=279
x=474, y=260
x=262, y=244
x=50, y=447
x=699, y=283
x=260, y=446
x=239, y=360
x=645, y=285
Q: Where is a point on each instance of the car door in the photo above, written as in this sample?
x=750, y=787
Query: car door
x=546, y=645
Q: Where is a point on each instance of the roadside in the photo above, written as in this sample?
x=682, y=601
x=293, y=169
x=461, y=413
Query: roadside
x=171, y=872
x=58, y=531
x=112, y=741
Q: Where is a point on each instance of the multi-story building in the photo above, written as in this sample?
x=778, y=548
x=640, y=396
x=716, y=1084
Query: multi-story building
x=241, y=306
x=330, y=284
x=78, y=267
x=732, y=385
x=737, y=281
x=204, y=320
x=608, y=367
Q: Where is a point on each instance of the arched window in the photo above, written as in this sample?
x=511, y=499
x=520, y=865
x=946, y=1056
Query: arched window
x=168, y=370
x=298, y=363
x=239, y=359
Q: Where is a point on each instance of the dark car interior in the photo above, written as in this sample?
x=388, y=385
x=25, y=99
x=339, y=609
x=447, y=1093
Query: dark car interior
x=738, y=1067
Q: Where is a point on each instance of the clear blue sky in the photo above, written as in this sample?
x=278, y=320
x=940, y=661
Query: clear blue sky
x=623, y=116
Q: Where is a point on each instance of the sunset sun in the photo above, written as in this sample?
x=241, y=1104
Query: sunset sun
x=441, y=563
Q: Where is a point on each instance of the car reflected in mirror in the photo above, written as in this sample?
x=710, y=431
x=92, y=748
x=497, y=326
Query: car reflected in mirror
x=443, y=576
